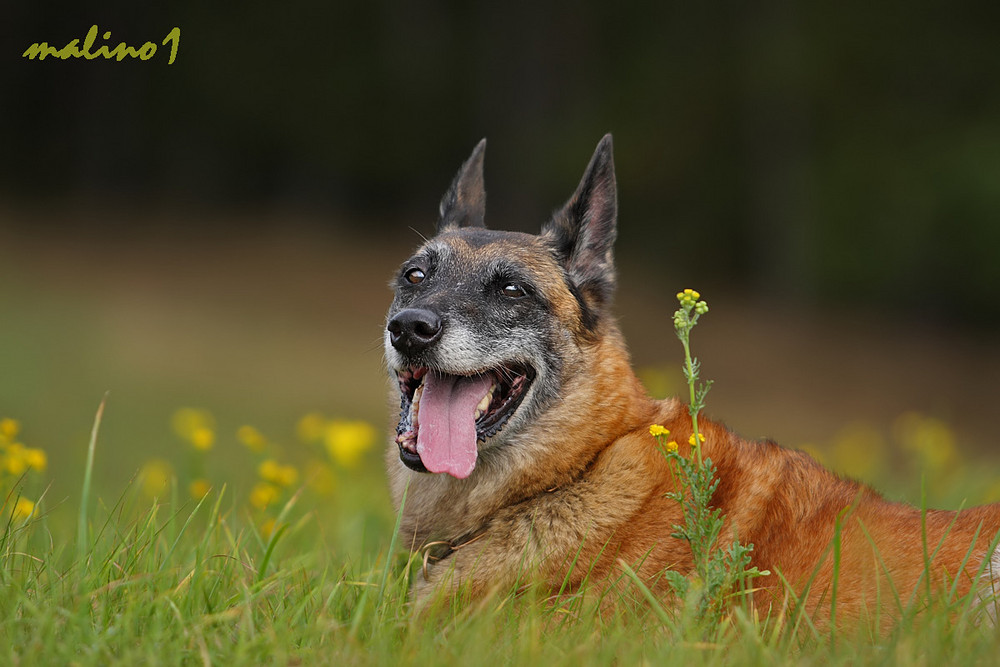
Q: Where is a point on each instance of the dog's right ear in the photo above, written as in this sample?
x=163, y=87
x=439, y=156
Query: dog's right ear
x=464, y=204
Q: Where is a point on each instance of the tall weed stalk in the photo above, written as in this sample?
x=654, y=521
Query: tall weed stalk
x=719, y=574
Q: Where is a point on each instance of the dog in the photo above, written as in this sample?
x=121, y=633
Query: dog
x=523, y=442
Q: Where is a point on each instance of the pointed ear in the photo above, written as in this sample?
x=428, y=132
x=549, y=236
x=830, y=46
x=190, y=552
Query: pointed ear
x=464, y=204
x=583, y=232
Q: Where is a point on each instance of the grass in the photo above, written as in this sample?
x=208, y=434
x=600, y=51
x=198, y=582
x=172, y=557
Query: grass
x=184, y=581
x=197, y=585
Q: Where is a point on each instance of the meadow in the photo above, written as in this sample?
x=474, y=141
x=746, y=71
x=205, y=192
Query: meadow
x=227, y=504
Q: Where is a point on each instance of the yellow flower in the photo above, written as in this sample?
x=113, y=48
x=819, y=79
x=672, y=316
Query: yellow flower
x=155, y=478
x=268, y=470
x=282, y=475
x=688, y=298
x=701, y=438
x=194, y=425
x=203, y=438
x=199, y=488
x=346, y=441
x=657, y=429
x=311, y=427
x=15, y=462
x=251, y=438
x=264, y=494
x=671, y=446
x=9, y=428
x=23, y=509
x=36, y=459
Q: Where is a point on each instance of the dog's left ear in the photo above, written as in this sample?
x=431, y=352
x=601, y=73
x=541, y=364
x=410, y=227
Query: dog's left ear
x=464, y=204
x=582, y=232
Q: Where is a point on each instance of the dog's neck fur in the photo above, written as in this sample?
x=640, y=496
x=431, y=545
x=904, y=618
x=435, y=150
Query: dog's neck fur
x=509, y=474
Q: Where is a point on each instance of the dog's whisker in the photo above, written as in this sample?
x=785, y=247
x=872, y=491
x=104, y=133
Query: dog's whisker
x=418, y=233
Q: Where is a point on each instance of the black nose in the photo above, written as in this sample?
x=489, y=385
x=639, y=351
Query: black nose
x=413, y=330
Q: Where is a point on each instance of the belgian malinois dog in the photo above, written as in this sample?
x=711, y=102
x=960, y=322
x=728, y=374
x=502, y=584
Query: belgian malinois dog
x=523, y=441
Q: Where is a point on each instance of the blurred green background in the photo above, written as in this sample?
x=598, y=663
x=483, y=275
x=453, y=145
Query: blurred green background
x=218, y=232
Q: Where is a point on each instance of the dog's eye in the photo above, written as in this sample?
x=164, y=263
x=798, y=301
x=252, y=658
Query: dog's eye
x=513, y=290
x=414, y=276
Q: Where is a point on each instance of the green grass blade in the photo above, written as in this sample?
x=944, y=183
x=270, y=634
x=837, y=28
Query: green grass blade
x=654, y=603
x=81, y=527
x=271, y=544
x=177, y=538
x=392, y=544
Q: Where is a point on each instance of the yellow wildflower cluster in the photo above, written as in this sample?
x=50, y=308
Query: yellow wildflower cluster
x=342, y=442
x=273, y=477
x=345, y=441
x=274, y=480
x=15, y=458
x=196, y=426
x=283, y=475
x=701, y=438
x=660, y=432
x=688, y=297
x=657, y=429
x=264, y=494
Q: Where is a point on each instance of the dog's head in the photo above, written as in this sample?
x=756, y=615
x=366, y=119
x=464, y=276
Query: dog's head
x=480, y=331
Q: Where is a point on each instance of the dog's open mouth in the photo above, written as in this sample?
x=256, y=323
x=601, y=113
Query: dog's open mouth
x=443, y=416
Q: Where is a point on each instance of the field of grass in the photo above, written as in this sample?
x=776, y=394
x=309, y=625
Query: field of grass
x=306, y=572
x=235, y=511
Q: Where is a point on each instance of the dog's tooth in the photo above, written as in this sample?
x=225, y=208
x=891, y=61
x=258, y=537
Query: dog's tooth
x=484, y=404
x=415, y=403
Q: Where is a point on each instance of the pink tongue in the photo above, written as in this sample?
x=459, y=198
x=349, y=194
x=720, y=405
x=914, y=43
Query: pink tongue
x=446, y=440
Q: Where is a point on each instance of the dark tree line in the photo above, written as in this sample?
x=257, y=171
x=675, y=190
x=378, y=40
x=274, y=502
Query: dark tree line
x=834, y=150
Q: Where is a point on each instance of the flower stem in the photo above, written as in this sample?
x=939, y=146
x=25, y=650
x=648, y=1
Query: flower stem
x=693, y=408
